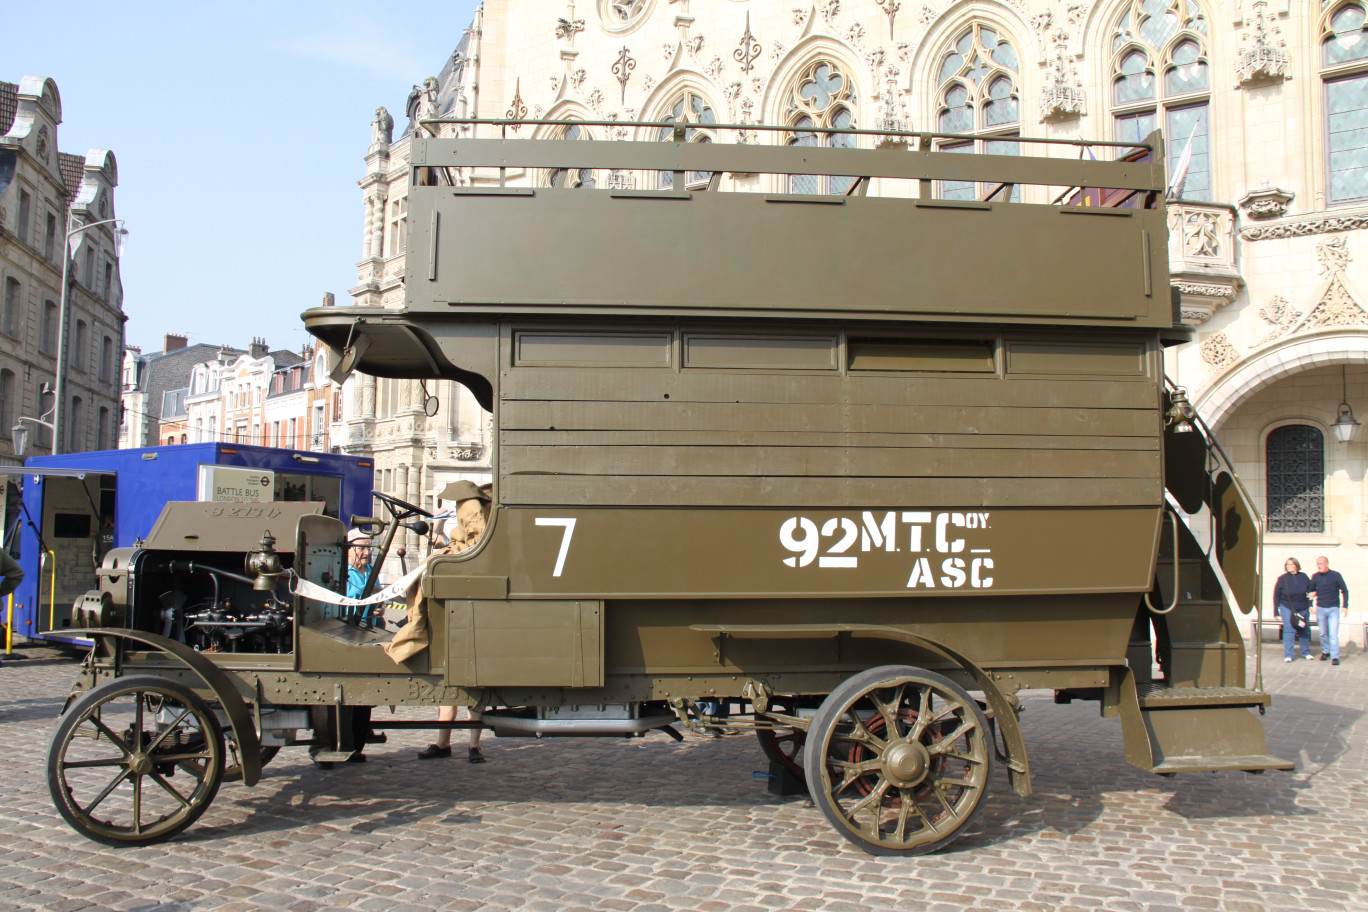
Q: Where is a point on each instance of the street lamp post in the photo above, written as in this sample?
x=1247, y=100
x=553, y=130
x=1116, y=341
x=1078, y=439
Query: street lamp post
x=58, y=408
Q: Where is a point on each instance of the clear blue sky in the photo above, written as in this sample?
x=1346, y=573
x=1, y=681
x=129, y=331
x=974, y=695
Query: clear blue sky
x=240, y=131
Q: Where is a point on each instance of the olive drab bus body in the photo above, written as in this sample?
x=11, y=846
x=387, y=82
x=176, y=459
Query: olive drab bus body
x=851, y=470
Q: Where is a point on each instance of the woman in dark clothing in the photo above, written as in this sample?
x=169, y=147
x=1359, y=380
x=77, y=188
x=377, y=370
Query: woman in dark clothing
x=1291, y=594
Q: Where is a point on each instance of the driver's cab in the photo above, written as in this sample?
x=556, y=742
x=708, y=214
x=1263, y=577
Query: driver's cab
x=345, y=638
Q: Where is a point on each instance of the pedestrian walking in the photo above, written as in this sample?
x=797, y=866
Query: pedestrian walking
x=1329, y=586
x=1292, y=596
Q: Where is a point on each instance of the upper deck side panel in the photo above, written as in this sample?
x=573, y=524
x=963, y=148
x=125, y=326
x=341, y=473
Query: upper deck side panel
x=746, y=252
x=882, y=256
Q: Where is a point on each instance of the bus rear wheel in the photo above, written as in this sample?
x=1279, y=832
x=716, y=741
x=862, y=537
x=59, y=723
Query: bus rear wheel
x=898, y=760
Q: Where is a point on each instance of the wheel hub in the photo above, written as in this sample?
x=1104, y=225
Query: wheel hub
x=140, y=764
x=905, y=763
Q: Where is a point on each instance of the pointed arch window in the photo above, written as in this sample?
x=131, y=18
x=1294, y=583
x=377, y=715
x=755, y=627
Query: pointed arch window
x=1344, y=71
x=693, y=111
x=822, y=96
x=1295, y=462
x=1161, y=78
x=977, y=87
x=571, y=178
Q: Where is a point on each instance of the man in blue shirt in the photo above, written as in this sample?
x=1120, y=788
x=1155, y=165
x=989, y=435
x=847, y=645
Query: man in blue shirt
x=1329, y=585
x=358, y=562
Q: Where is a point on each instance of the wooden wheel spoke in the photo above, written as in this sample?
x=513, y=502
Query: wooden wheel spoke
x=966, y=725
x=862, y=735
x=946, y=749
x=923, y=716
x=889, y=708
x=108, y=789
x=169, y=788
x=114, y=739
x=92, y=764
x=907, y=803
x=938, y=789
x=137, y=804
x=873, y=799
x=167, y=730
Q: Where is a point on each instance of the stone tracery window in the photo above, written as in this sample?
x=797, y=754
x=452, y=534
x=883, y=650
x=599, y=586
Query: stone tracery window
x=1161, y=77
x=622, y=15
x=822, y=96
x=977, y=83
x=1295, y=456
x=691, y=109
x=571, y=178
x=1344, y=70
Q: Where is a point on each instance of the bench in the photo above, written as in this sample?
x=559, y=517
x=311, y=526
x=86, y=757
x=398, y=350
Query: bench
x=1257, y=626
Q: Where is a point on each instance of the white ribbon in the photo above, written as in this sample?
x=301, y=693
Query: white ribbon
x=394, y=590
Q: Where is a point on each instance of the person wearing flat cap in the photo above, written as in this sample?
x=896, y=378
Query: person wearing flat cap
x=463, y=532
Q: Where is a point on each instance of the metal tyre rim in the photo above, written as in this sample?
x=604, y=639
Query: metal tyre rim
x=898, y=760
x=135, y=761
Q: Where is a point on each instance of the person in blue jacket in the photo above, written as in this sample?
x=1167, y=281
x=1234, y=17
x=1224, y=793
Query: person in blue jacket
x=1329, y=585
x=1291, y=595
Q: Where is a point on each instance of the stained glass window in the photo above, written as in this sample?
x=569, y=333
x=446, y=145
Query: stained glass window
x=1344, y=44
x=978, y=94
x=688, y=108
x=822, y=97
x=1296, y=479
x=572, y=178
x=1161, y=75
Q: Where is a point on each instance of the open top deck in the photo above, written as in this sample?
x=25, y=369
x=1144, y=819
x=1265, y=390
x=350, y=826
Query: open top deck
x=489, y=236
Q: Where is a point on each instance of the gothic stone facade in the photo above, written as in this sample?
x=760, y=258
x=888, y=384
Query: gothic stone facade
x=1264, y=106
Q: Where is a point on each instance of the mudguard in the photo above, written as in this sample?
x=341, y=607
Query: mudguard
x=214, y=678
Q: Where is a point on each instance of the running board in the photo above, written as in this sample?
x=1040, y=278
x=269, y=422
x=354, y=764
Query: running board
x=1194, y=729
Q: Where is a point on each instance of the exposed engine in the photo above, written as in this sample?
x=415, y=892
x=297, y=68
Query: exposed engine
x=212, y=581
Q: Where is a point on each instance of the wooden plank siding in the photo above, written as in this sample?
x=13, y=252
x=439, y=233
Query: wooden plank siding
x=666, y=435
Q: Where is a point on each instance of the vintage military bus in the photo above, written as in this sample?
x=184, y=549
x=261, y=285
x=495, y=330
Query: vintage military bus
x=845, y=445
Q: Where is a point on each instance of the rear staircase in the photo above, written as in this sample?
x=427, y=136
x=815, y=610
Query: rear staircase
x=1183, y=698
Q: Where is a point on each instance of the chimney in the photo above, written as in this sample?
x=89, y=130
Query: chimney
x=259, y=348
x=328, y=299
x=173, y=342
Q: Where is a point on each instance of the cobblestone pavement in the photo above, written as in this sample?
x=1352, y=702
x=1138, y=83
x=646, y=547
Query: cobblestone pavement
x=649, y=824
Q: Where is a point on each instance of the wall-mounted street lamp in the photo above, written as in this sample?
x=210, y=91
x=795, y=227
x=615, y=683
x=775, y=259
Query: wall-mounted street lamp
x=19, y=433
x=119, y=234
x=1345, y=425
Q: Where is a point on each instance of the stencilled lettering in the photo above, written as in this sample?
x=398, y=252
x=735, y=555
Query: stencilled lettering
x=830, y=542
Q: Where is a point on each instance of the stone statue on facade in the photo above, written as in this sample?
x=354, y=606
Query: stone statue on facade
x=382, y=128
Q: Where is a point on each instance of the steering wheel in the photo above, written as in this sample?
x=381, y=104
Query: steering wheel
x=398, y=506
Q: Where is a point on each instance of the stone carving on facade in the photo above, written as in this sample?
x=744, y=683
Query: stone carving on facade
x=748, y=49
x=830, y=10
x=42, y=145
x=1264, y=58
x=715, y=68
x=622, y=69
x=382, y=128
x=1280, y=315
x=1202, y=258
x=567, y=29
x=1266, y=202
x=669, y=51
x=777, y=50
x=577, y=79
x=800, y=16
x=926, y=16
x=1323, y=224
x=1336, y=308
x=1218, y=353
x=856, y=34
x=1333, y=256
x=694, y=46
x=1075, y=11
x=1063, y=95
x=893, y=116
x=596, y=97
x=890, y=8
x=517, y=110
